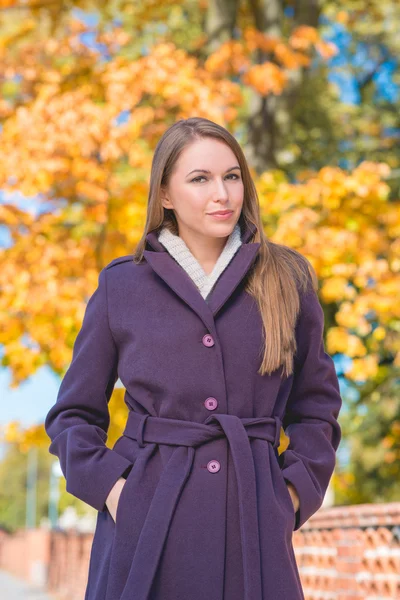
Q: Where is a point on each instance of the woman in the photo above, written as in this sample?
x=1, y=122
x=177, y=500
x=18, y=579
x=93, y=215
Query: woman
x=217, y=335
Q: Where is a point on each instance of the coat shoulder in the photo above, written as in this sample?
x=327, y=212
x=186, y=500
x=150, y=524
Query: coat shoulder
x=119, y=260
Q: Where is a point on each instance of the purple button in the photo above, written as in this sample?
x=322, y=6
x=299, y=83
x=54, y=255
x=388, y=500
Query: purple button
x=211, y=403
x=213, y=466
x=208, y=340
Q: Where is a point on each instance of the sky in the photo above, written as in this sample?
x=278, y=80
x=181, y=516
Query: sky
x=29, y=402
x=32, y=400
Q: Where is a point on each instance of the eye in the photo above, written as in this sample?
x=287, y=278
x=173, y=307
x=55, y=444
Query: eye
x=202, y=177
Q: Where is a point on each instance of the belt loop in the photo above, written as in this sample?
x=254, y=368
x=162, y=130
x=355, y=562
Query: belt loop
x=277, y=439
x=139, y=436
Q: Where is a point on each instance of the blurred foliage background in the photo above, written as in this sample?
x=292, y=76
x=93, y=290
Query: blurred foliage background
x=310, y=90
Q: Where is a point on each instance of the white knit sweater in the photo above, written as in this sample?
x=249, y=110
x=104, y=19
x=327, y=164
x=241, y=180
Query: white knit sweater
x=181, y=253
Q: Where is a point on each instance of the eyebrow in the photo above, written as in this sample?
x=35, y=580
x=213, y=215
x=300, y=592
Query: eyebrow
x=206, y=171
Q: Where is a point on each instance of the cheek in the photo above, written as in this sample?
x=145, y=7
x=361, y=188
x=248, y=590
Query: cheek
x=195, y=201
x=191, y=207
x=187, y=199
x=238, y=192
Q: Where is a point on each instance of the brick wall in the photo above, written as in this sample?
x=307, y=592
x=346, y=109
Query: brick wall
x=351, y=552
x=343, y=553
x=26, y=554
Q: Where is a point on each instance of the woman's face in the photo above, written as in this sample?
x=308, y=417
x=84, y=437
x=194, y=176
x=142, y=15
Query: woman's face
x=193, y=194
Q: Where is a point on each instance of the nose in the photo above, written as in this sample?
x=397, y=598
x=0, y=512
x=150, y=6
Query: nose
x=221, y=190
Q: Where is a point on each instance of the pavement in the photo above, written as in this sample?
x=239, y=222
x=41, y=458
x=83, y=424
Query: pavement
x=12, y=588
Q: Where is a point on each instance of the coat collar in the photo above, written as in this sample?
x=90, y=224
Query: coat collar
x=181, y=283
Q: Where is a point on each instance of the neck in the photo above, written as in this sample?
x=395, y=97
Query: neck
x=204, y=278
x=206, y=250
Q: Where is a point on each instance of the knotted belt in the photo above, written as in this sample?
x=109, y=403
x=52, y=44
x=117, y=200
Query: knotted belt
x=189, y=434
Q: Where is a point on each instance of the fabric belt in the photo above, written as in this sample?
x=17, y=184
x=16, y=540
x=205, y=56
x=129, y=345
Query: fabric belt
x=187, y=436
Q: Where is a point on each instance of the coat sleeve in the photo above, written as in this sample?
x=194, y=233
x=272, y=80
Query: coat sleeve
x=312, y=409
x=78, y=422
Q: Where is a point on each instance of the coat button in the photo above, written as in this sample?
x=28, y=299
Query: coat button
x=208, y=340
x=211, y=403
x=213, y=466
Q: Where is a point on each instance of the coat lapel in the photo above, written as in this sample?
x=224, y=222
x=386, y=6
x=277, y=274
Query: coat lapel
x=181, y=283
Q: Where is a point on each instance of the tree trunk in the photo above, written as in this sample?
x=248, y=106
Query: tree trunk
x=270, y=117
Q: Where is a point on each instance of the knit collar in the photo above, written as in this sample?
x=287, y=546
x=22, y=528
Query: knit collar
x=181, y=253
x=178, y=281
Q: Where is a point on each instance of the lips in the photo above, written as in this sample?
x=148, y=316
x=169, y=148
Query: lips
x=222, y=212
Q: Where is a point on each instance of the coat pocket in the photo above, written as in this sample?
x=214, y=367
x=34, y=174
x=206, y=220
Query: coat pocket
x=284, y=494
x=122, y=495
x=289, y=498
x=129, y=449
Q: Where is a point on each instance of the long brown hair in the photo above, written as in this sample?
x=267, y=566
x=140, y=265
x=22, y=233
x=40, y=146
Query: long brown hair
x=280, y=273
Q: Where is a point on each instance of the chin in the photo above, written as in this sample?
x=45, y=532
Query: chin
x=221, y=232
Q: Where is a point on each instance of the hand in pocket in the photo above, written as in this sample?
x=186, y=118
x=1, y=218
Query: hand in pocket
x=294, y=496
x=113, y=497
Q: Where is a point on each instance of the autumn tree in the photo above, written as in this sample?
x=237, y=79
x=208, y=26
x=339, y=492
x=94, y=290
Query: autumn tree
x=87, y=91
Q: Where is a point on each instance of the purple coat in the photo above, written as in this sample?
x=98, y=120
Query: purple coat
x=205, y=512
